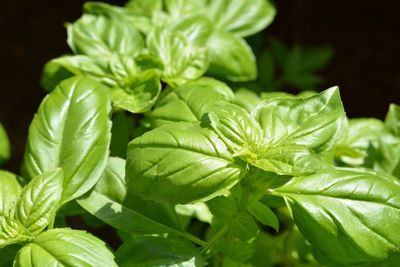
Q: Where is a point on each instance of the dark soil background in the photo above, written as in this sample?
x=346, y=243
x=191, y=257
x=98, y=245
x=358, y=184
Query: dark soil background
x=365, y=36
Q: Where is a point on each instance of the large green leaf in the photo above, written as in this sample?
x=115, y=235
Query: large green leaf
x=241, y=17
x=349, y=217
x=65, y=247
x=183, y=61
x=101, y=36
x=190, y=101
x=158, y=252
x=4, y=145
x=71, y=131
x=10, y=191
x=39, y=201
x=231, y=58
x=110, y=202
x=180, y=163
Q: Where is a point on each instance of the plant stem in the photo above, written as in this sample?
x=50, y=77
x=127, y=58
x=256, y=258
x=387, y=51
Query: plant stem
x=191, y=237
x=215, y=238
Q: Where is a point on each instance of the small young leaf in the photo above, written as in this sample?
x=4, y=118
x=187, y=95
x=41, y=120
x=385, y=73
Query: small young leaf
x=139, y=96
x=100, y=36
x=39, y=201
x=10, y=191
x=264, y=215
x=71, y=131
x=236, y=128
x=65, y=247
x=349, y=217
x=180, y=163
x=190, y=101
x=183, y=61
x=11, y=232
x=4, y=145
x=158, y=252
x=231, y=58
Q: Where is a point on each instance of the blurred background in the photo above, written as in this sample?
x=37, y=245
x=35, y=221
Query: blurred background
x=363, y=36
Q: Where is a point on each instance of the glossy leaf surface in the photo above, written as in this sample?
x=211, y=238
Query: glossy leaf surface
x=71, y=131
x=241, y=17
x=349, y=217
x=39, y=201
x=189, y=102
x=180, y=163
x=231, y=58
x=101, y=36
x=183, y=61
x=65, y=247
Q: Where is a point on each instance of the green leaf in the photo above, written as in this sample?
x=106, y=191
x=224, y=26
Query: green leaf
x=158, y=252
x=180, y=163
x=284, y=159
x=348, y=216
x=183, y=61
x=110, y=202
x=241, y=17
x=65, y=247
x=313, y=122
x=179, y=8
x=141, y=95
x=146, y=7
x=128, y=16
x=358, y=136
x=244, y=227
x=231, y=58
x=58, y=69
x=264, y=215
x=189, y=102
x=11, y=232
x=392, y=121
x=223, y=208
x=4, y=145
x=39, y=201
x=196, y=28
x=101, y=36
x=122, y=125
x=234, y=125
x=71, y=131
x=10, y=191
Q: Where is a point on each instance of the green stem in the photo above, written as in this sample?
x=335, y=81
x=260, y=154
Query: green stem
x=215, y=238
x=191, y=237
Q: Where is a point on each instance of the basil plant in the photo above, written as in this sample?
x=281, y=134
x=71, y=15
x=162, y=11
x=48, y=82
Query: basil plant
x=141, y=134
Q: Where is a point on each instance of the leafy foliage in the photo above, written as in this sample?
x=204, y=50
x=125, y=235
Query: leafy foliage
x=205, y=175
